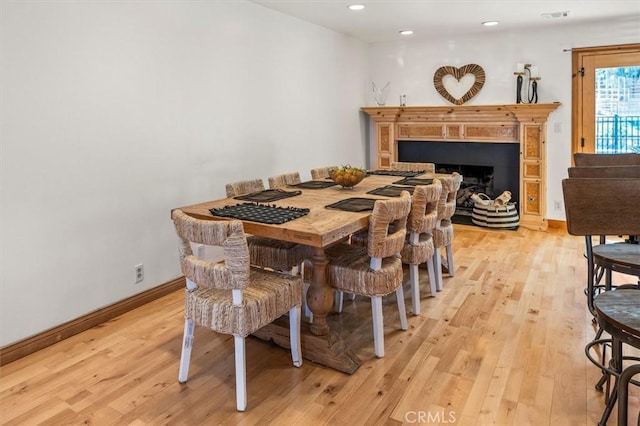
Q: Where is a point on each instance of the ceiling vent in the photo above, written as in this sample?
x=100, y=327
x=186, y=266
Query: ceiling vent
x=556, y=15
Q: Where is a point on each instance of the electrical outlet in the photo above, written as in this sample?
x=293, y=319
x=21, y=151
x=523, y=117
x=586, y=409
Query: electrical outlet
x=139, y=273
x=557, y=205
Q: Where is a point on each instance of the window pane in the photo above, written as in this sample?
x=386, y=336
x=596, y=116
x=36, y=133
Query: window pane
x=617, y=110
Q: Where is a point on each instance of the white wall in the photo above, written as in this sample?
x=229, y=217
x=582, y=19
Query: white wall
x=115, y=112
x=410, y=65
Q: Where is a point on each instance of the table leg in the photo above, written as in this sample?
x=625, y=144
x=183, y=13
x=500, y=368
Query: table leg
x=319, y=295
x=319, y=343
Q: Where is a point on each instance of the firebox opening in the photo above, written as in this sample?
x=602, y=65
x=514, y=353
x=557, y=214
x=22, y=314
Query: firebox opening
x=486, y=167
x=475, y=179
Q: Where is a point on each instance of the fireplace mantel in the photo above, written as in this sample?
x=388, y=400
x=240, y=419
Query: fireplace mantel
x=524, y=124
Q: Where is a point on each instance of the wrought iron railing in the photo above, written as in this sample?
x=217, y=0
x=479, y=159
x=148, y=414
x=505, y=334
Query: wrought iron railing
x=615, y=134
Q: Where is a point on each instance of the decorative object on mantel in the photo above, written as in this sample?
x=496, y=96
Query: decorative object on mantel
x=458, y=73
x=533, y=77
x=380, y=95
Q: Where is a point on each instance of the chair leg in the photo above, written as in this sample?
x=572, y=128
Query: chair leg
x=402, y=311
x=294, y=335
x=187, y=344
x=339, y=296
x=307, y=311
x=432, y=277
x=450, y=260
x=378, y=330
x=437, y=264
x=241, y=374
x=415, y=288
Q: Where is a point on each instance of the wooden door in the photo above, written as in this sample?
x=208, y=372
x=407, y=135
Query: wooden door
x=586, y=63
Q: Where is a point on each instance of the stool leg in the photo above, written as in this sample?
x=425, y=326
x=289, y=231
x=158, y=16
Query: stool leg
x=616, y=359
x=623, y=392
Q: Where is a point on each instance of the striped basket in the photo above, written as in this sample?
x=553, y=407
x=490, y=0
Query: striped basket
x=490, y=216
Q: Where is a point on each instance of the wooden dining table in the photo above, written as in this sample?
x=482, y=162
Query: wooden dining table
x=319, y=229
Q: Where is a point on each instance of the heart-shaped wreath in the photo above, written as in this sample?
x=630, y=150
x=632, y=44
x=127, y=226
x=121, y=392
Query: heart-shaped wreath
x=458, y=74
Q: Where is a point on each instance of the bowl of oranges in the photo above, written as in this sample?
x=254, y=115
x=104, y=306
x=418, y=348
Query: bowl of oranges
x=347, y=176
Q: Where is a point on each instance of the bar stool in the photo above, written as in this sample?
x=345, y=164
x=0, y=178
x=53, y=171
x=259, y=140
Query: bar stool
x=598, y=207
x=617, y=313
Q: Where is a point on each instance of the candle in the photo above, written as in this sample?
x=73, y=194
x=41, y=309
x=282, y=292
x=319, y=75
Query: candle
x=519, y=67
x=534, y=72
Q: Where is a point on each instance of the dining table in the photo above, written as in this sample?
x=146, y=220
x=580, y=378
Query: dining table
x=319, y=228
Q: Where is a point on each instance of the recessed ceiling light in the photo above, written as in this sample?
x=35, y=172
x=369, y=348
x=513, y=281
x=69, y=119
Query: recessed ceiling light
x=490, y=23
x=356, y=6
x=406, y=32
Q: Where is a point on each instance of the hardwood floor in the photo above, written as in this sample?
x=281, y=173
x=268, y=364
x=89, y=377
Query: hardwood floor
x=502, y=344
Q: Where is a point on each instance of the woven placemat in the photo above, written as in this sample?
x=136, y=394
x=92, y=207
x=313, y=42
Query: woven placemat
x=414, y=181
x=315, y=184
x=402, y=173
x=391, y=191
x=353, y=204
x=260, y=213
x=268, y=195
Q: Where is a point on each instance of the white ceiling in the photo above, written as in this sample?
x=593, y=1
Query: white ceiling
x=381, y=20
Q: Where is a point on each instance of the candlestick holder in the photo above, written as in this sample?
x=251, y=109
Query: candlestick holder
x=531, y=73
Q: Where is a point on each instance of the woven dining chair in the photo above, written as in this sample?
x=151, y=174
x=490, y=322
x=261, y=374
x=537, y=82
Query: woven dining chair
x=322, y=172
x=413, y=167
x=243, y=187
x=266, y=252
x=230, y=296
x=279, y=181
x=374, y=270
x=443, y=232
x=418, y=245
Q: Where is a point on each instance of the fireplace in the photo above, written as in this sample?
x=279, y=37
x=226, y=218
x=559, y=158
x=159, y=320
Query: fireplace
x=521, y=128
x=489, y=168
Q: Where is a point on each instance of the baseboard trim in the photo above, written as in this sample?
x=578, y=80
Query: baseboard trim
x=47, y=338
x=557, y=224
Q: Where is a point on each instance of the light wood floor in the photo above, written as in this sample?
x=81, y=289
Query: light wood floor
x=502, y=344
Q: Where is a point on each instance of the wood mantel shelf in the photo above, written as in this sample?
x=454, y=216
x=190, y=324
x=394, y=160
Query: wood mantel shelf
x=524, y=124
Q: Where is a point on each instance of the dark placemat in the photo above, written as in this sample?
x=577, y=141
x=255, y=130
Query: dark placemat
x=260, y=213
x=353, y=204
x=391, y=191
x=414, y=181
x=315, y=184
x=402, y=173
x=267, y=196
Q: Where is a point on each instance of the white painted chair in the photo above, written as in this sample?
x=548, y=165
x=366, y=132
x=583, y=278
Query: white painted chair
x=320, y=173
x=374, y=270
x=418, y=246
x=280, y=181
x=443, y=232
x=230, y=296
x=267, y=252
x=413, y=167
